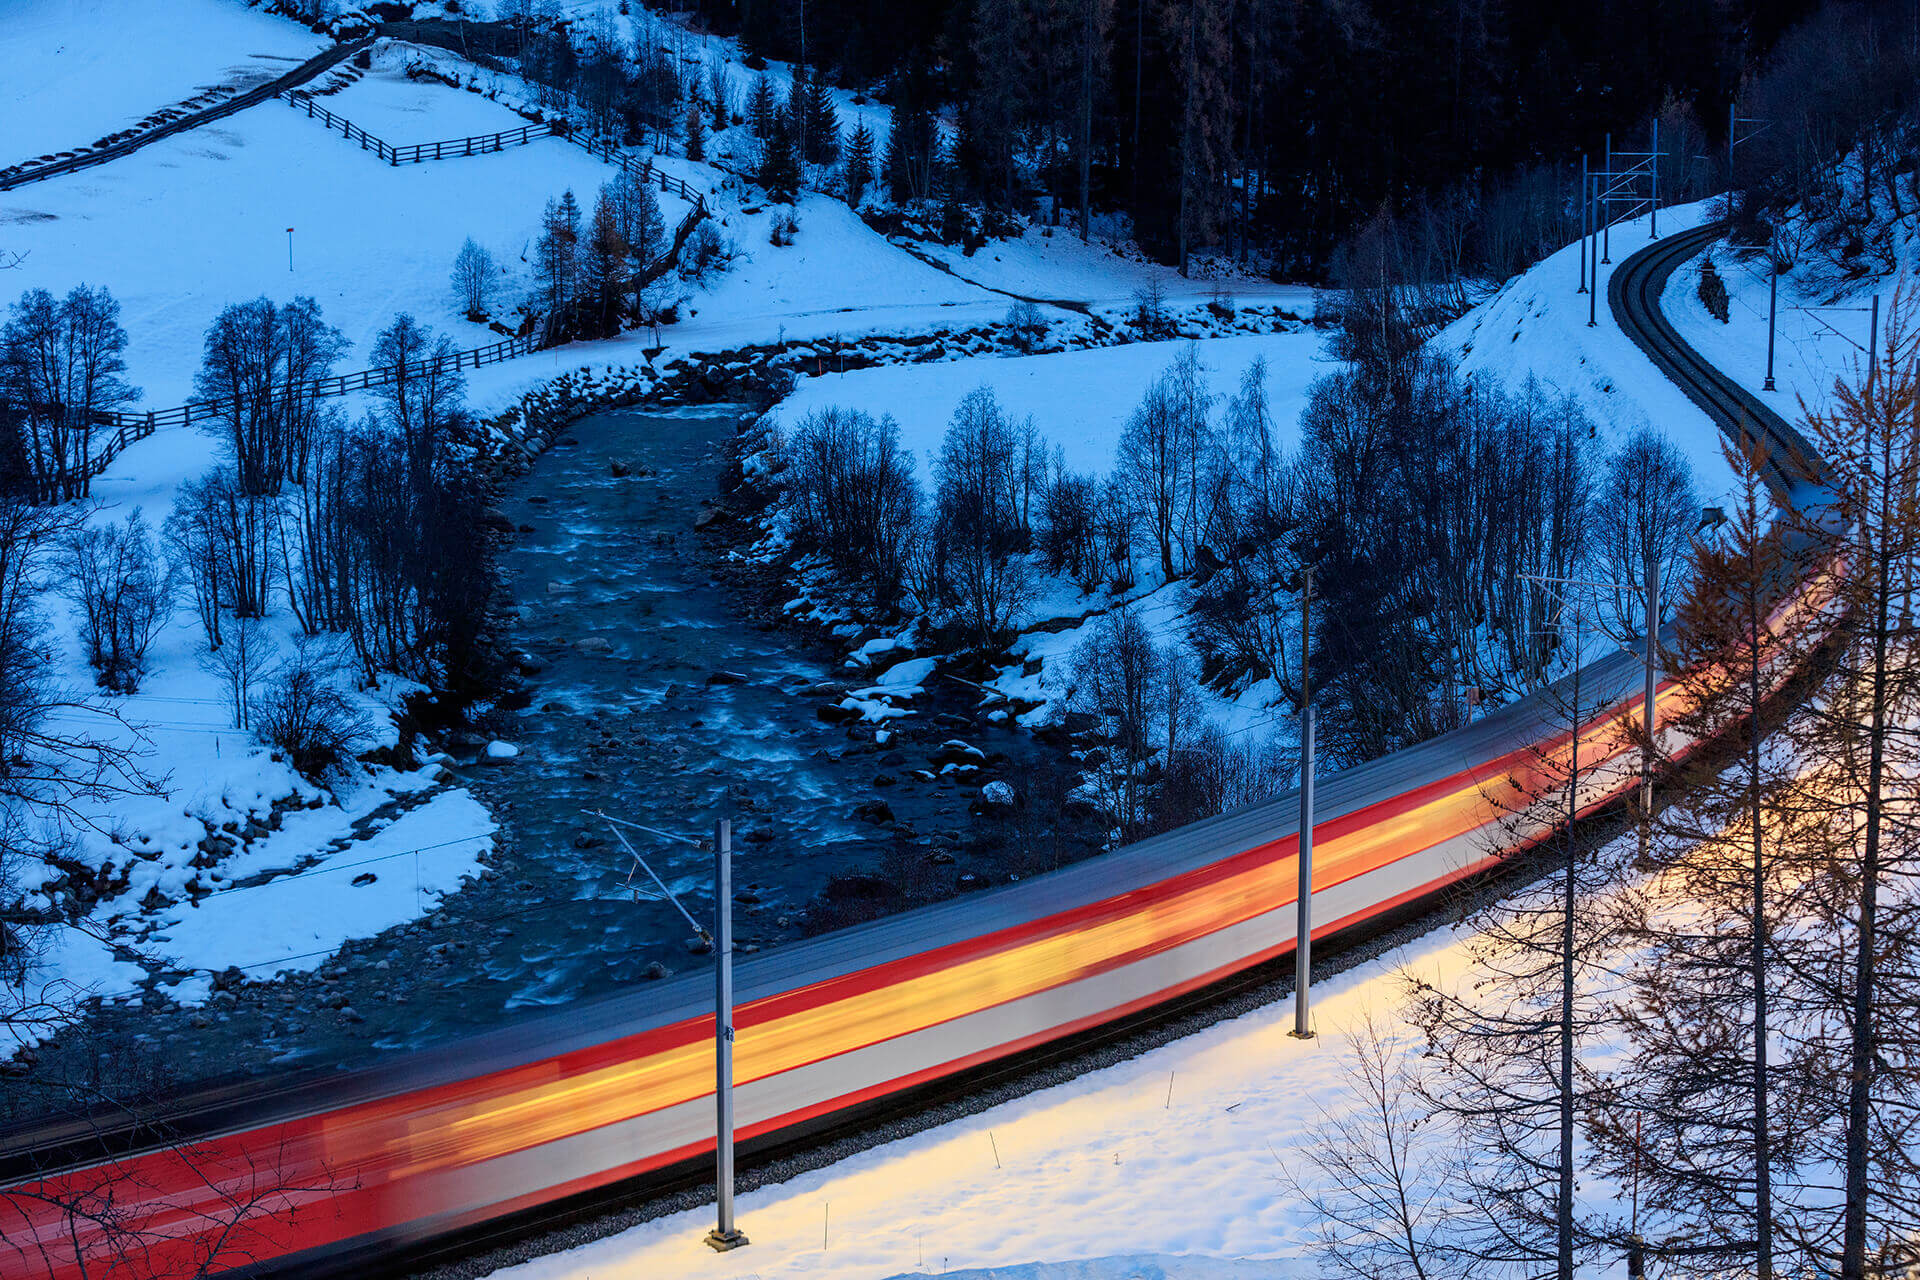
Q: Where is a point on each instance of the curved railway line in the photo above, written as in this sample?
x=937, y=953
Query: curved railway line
x=457, y=1148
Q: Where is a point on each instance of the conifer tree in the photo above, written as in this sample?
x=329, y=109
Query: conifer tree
x=857, y=163
x=1712, y=1133
x=821, y=133
x=696, y=133
x=1860, y=750
x=780, y=161
x=556, y=261
x=762, y=111
x=604, y=271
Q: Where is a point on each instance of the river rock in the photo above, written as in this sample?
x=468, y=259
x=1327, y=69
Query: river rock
x=594, y=644
x=997, y=795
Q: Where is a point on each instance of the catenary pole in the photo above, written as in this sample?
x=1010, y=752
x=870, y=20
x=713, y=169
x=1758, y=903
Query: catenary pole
x=1303, y=903
x=1650, y=705
x=1606, y=208
x=725, y=1235
x=1594, y=259
x=1773, y=301
x=1586, y=215
x=1653, y=187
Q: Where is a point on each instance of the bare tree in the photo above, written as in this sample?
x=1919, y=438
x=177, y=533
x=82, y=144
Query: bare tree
x=1506, y=1040
x=60, y=371
x=239, y=664
x=124, y=593
x=473, y=279
x=1643, y=509
x=303, y=712
x=980, y=479
x=1380, y=1187
x=1116, y=678
x=259, y=368
x=851, y=491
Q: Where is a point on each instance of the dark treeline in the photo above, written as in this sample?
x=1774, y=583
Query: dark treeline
x=1284, y=126
x=1836, y=137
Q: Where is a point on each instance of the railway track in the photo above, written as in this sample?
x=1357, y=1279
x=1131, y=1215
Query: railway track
x=1633, y=295
x=307, y=71
x=844, y=1038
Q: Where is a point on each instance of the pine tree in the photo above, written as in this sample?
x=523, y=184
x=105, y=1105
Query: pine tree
x=556, y=260
x=696, y=133
x=762, y=111
x=603, y=268
x=719, y=93
x=822, y=132
x=857, y=163
x=780, y=161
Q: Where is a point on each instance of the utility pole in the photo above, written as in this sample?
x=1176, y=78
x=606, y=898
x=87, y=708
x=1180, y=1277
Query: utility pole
x=1585, y=214
x=1773, y=300
x=1606, y=208
x=1873, y=343
x=1303, y=903
x=725, y=1235
x=1653, y=191
x=1649, y=705
x=1593, y=259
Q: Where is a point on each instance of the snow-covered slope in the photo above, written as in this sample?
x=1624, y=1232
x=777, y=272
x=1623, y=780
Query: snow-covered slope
x=1078, y=400
x=79, y=70
x=1536, y=326
x=183, y=227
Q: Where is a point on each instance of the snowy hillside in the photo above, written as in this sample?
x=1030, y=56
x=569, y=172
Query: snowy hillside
x=81, y=71
x=1536, y=326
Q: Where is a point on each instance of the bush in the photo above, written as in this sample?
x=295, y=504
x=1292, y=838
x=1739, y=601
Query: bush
x=304, y=714
x=705, y=255
x=1713, y=291
x=124, y=594
x=1026, y=327
x=1150, y=318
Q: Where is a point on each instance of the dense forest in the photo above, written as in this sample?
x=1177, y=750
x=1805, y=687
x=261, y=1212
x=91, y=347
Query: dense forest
x=1276, y=128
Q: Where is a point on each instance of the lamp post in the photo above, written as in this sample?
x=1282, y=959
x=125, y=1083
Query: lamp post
x=1773, y=300
x=289, y=250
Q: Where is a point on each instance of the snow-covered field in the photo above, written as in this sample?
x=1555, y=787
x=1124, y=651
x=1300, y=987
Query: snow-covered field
x=1079, y=400
x=82, y=69
x=183, y=227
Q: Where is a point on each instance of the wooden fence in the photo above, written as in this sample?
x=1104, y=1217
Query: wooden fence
x=414, y=153
x=129, y=427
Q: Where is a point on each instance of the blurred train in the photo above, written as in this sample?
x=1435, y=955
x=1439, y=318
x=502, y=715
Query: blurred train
x=331, y=1173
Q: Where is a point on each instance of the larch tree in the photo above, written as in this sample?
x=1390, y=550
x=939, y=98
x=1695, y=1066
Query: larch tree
x=1859, y=744
x=1713, y=1131
x=556, y=264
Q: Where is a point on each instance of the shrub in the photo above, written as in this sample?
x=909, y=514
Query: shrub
x=304, y=714
x=1713, y=290
x=1026, y=327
